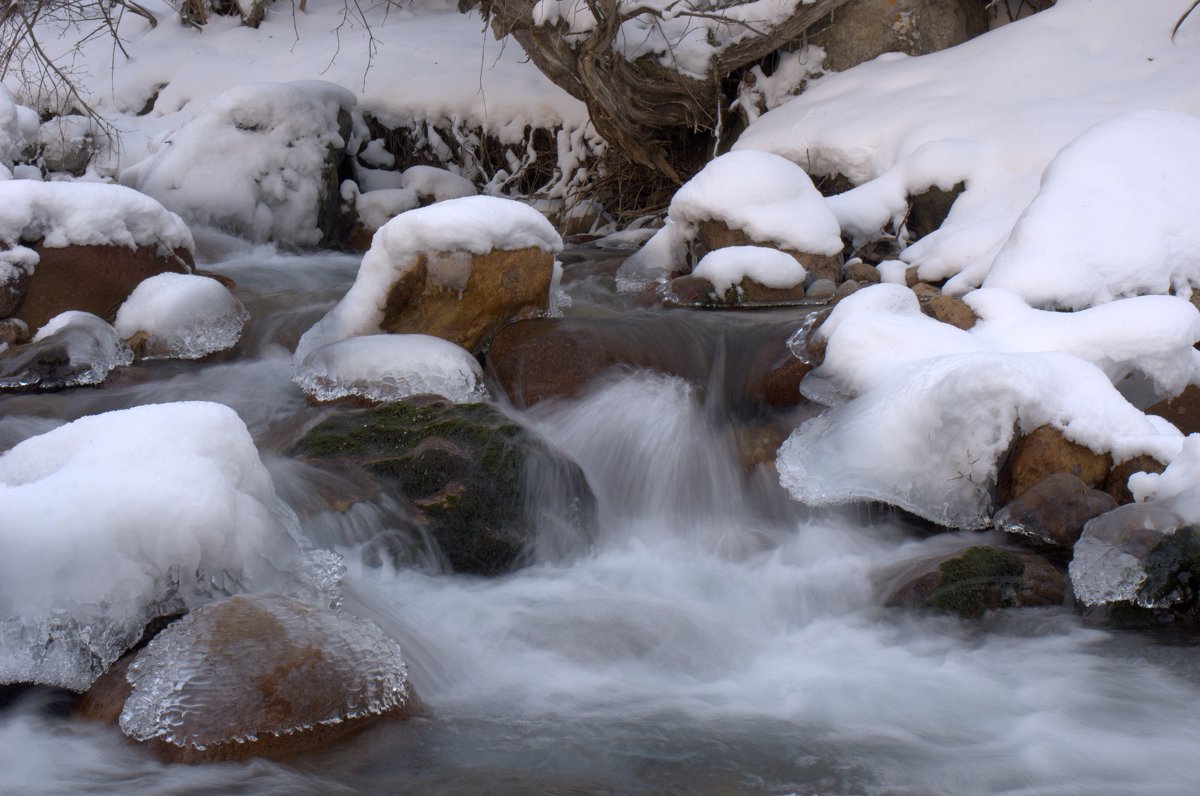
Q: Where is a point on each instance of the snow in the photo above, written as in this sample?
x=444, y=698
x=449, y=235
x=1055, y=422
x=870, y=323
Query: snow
x=86, y=213
x=186, y=316
x=772, y=268
x=120, y=517
x=388, y=367
x=14, y=135
x=253, y=160
x=471, y=225
x=768, y=197
x=393, y=193
x=924, y=411
x=1115, y=216
x=992, y=112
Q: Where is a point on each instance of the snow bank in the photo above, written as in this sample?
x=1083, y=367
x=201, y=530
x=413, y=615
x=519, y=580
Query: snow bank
x=392, y=193
x=253, y=160
x=86, y=213
x=186, y=316
x=932, y=409
x=768, y=197
x=18, y=128
x=992, y=112
x=1115, y=216
x=768, y=267
x=388, y=367
x=474, y=225
x=117, y=518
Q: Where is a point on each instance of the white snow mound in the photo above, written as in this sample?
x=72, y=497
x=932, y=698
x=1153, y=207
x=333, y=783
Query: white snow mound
x=771, y=268
x=187, y=316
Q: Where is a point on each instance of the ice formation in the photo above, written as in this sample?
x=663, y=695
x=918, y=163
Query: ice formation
x=87, y=213
x=116, y=518
x=388, y=367
x=992, y=113
x=253, y=666
x=768, y=267
x=768, y=197
x=474, y=225
x=253, y=160
x=73, y=349
x=186, y=316
x=925, y=411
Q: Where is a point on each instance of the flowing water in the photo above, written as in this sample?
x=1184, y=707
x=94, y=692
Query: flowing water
x=714, y=638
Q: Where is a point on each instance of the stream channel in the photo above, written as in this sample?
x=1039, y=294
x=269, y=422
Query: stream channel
x=715, y=638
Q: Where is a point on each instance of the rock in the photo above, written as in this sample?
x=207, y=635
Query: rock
x=1052, y=513
x=76, y=349
x=781, y=386
x=712, y=235
x=462, y=468
x=95, y=279
x=821, y=290
x=847, y=288
x=466, y=298
x=68, y=143
x=252, y=676
x=864, y=29
x=949, y=309
x=1117, y=484
x=13, y=332
x=758, y=444
x=1045, y=451
x=863, y=273
x=979, y=579
x=548, y=358
x=1184, y=409
x=692, y=291
x=814, y=344
x=927, y=210
x=695, y=292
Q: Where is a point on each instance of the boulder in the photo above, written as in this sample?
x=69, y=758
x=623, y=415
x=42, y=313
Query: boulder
x=979, y=579
x=95, y=279
x=716, y=234
x=863, y=273
x=76, y=349
x=1045, y=451
x=1183, y=410
x=864, y=29
x=949, y=309
x=461, y=468
x=928, y=209
x=465, y=298
x=1052, y=513
x=548, y=358
x=1117, y=484
x=254, y=675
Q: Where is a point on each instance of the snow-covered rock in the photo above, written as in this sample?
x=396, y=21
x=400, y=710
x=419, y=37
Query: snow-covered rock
x=184, y=316
x=456, y=270
x=259, y=160
x=74, y=349
x=117, y=518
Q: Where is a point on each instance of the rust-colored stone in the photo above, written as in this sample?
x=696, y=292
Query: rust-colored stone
x=1117, y=484
x=863, y=273
x=949, y=309
x=466, y=298
x=1045, y=451
x=1053, y=512
x=544, y=358
x=713, y=234
x=1183, y=410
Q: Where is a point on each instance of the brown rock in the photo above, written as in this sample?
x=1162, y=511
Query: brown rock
x=1184, y=409
x=781, y=387
x=1117, y=484
x=712, y=235
x=910, y=277
x=814, y=344
x=690, y=291
x=863, y=273
x=1045, y=451
x=949, y=309
x=923, y=290
x=927, y=210
x=13, y=331
x=758, y=444
x=545, y=358
x=1052, y=513
x=466, y=298
x=864, y=29
x=95, y=279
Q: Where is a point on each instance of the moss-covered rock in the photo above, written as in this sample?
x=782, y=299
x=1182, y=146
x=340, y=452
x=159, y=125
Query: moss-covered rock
x=463, y=467
x=981, y=578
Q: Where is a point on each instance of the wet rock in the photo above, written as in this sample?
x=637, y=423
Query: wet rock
x=821, y=290
x=863, y=273
x=696, y=292
x=465, y=298
x=1117, y=484
x=76, y=349
x=949, y=309
x=463, y=469
x=979, y=579
x=814, y=343
x=252, y=676
x=1183, y=410
x=712, y=235
x=95, y=279
x=1045, y=451
x=864, y=29
x=927, y=210
x=691, y=291
x=781, y=385
x=758, y=444
x=1053, y=512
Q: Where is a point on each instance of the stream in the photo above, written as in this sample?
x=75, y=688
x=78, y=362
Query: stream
x=716, y=637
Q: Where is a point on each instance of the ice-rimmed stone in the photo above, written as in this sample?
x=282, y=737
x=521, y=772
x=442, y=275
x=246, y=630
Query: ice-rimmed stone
x=74, y=349
x=184, y=315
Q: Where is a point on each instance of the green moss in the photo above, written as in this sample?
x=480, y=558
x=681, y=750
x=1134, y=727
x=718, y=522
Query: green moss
x=978, y=580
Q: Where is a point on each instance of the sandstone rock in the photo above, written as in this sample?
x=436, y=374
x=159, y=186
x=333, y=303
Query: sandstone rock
x=1045, y=451
x=252, y=676
x=979, y=579
x=1117, y=484
x=95, y=279
x=462, y=470
x=864, y=29
x=1053, y=512
x=949, y=309
x=465, y=298
x=863, y=273
x=1183, y=410
x=712, y=235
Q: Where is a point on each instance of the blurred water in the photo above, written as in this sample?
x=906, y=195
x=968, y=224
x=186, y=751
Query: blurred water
x=715, y=638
